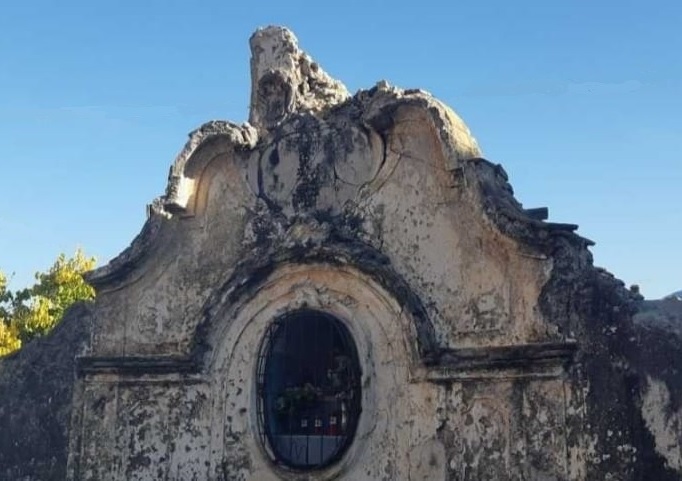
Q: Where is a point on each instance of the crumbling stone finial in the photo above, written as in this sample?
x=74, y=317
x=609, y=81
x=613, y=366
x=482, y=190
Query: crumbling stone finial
x=285, y=79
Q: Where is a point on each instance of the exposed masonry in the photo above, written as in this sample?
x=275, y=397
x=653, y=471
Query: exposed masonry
x=490, y=346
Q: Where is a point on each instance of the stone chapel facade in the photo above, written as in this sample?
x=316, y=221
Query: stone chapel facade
x=343, y=288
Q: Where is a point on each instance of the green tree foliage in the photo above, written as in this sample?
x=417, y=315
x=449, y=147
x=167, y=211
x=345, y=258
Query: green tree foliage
x=35, y=310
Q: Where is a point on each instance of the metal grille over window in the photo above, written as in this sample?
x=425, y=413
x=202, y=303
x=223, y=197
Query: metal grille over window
x=308, y=390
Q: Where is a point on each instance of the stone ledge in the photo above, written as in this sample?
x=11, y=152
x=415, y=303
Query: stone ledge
x=541, y=360
x=136, y=365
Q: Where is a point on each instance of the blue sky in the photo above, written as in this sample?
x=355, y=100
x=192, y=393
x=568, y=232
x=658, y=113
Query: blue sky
x=579, y=100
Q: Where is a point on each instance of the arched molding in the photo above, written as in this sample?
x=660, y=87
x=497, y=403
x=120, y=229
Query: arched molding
x=380, y=328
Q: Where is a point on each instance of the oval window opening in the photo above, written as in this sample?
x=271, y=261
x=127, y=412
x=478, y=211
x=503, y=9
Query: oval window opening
x=308, y=390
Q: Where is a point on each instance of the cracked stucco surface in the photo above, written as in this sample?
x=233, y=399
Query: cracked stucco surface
x=491, y=348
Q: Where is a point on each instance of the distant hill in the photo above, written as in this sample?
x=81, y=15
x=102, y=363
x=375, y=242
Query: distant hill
x=675, y=295
x=663, y=313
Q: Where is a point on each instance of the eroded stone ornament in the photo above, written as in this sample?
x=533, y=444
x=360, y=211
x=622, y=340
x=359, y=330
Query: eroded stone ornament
x=343, y=288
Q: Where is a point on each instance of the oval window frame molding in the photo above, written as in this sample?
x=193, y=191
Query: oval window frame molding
x=385, y=339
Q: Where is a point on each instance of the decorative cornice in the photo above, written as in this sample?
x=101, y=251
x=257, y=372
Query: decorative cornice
x=538, y=360
x=140, y=248
x=136, y=365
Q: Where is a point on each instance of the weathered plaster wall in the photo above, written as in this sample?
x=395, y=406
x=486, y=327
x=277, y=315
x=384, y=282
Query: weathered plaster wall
x=36, y=391
x=490, y=347
x=152, y=428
